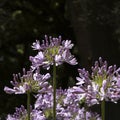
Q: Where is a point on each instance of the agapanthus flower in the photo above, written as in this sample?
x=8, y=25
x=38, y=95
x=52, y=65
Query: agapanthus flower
x=21, y=114
x=29, y=81
x=52, y=51
x=67, y=108
x=102, y=84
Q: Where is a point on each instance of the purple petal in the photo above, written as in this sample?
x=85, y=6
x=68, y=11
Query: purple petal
x=9, y=90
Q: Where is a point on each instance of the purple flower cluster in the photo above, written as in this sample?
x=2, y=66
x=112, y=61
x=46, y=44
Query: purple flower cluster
x=21, y=114
x=33, y=82
x=102, y=84
x=68, y=107
x=52, y=50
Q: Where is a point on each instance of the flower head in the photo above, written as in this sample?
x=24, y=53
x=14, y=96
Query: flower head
x=101, y=84
x=30, y=81
x=52, y=50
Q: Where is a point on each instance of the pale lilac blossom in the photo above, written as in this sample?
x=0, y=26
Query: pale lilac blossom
x=52, y=50
x=33, y=82
x=102, y=84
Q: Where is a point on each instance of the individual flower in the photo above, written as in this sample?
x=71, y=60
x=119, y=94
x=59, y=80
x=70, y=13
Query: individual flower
x=52, y=51
x=102, y=84
x=21, y=114
x=30, y=81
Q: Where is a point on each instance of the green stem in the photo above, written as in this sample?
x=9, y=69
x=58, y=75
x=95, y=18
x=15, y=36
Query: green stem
x=86, y=108
x=28, y=104
x=85, y=114
x=54, y=92
x=103, y=109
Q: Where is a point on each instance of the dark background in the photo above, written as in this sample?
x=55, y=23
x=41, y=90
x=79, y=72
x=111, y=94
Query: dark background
x=93, y=26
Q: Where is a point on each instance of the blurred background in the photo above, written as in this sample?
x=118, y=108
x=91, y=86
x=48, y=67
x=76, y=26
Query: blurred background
x=93, y=26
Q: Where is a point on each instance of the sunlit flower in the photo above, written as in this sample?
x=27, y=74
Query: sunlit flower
x=52, y=50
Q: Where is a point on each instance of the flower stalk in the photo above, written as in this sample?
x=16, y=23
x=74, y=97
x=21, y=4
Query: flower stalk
x=28, y=104
x=54, y=91
x=103, y=110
